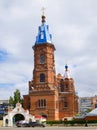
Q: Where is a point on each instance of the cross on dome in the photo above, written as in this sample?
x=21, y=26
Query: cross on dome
x=43, y=9
x=43, y=36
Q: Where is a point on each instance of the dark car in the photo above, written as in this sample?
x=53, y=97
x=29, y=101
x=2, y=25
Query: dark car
x=35, y=124
x=22, y=124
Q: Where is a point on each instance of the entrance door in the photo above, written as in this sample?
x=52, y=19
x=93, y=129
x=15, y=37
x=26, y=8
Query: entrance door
x=18, y=117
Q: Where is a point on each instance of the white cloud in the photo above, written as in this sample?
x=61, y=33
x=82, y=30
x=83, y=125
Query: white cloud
x=73, y=25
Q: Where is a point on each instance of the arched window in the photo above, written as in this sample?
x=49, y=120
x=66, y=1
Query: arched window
x=65, y=104
x=44, y=103
x=42, y=59
x=66, y=86
x=42, y=78
x=41, y=103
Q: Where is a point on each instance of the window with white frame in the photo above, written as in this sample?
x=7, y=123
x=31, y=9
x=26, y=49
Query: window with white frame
x=41, y=103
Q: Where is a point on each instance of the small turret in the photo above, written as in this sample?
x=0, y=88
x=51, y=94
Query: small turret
x=66, y=75
x=66, y=67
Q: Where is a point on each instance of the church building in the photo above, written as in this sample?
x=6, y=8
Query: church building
x=50, y=95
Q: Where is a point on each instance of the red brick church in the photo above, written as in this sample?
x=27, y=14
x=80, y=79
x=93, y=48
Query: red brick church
x=50, y=95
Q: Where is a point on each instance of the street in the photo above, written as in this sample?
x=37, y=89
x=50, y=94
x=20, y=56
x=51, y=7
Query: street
x=49, y=128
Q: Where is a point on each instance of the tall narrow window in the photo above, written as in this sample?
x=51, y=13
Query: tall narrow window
x=65, y=102
x=42, y=78
x=44, y=103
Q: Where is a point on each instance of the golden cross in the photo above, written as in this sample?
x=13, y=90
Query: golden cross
x=43, y=9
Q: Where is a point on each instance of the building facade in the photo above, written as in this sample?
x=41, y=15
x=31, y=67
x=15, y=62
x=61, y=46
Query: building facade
x=85, y=104
x=50, y=95
x=4, y=104
x=94, y=102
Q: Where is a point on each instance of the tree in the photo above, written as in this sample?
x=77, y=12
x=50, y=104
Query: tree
x=16, y=98
x=11, y=100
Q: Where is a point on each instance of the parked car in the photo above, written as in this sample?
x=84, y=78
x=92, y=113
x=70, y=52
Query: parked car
x=35, y=124
x=22, y=123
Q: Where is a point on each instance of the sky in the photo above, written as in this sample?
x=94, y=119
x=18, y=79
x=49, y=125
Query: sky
x=73, y=25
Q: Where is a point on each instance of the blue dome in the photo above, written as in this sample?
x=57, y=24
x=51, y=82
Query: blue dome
x=66, y=66
x=43, y=34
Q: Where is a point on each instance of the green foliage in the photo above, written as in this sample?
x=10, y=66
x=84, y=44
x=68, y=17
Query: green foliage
x=92, y=121
x=71, y=122
x=16, y=98
x=89, y=110
x=11, y=100
x=53, y=122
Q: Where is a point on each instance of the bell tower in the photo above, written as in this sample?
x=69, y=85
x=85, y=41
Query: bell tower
x=43, y=92
x=44, y=76
x=44, y=66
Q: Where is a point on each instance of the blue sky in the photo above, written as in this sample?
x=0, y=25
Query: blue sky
x=3, y=56
x=73, y=25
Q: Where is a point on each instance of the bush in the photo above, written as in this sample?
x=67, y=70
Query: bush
x=71, y=122
x=53, y=122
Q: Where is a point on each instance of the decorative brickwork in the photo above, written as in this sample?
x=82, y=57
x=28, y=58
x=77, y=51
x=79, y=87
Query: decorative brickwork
x=49, y=95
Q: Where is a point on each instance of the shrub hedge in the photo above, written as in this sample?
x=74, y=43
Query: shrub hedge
x=71, y=122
